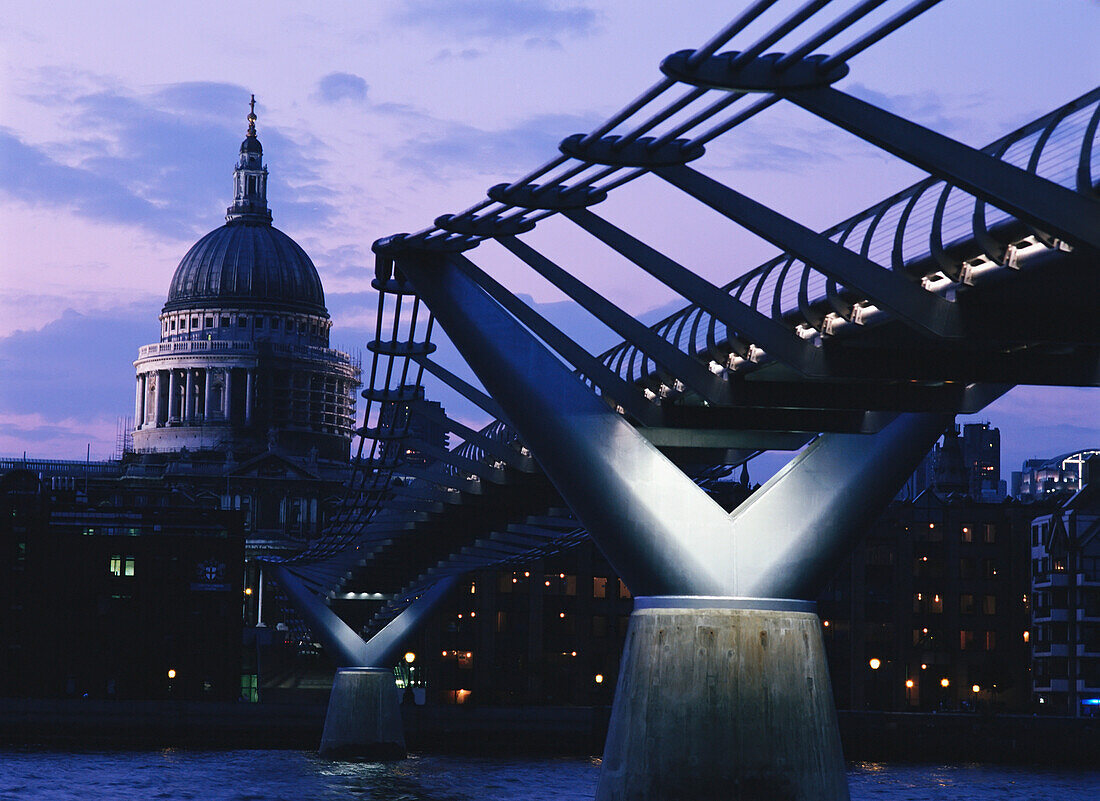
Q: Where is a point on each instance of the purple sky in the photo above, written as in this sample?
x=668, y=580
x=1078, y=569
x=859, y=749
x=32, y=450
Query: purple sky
x=119, y=129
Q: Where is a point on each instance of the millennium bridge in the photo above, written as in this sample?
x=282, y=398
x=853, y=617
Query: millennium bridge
x=854, y=347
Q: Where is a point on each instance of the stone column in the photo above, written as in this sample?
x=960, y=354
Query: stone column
x=173, y=392
x=162, y=398
x=248, y=390
x=208, y=394
x=139, y=396
x=189, y=397
x=227, y=399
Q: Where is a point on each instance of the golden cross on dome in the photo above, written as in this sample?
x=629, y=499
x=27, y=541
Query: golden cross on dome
x=252, y=116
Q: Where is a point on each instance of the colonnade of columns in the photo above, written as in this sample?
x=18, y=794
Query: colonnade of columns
x=190, y=396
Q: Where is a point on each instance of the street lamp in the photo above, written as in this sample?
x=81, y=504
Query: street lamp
x=410, y=657
x=875, y=663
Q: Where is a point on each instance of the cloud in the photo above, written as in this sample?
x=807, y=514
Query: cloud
x=499, y=19
x=466, y=54
x=457, y=148
x=337, y=86
x=87, y=382
x=157, y=159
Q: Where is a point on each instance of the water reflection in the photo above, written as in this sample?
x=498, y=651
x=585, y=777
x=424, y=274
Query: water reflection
x=26, y=774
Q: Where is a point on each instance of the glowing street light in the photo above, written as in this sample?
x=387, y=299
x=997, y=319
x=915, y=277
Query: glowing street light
x=945, y=682
x=875, y=663
x=599, y=678
x=976, y=689
x=171, y=673
x=410, y=657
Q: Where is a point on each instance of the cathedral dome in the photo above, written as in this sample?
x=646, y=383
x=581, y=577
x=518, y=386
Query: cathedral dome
x=247, y=265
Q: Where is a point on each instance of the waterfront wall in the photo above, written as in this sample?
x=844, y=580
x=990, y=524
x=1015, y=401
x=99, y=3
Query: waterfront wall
x=866, y=736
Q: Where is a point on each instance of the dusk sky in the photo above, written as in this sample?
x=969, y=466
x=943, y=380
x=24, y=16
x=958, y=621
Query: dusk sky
x=120, y=124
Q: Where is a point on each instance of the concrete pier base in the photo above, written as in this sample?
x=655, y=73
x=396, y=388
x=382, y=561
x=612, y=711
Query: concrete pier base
x=723, y=698
x=363, y=719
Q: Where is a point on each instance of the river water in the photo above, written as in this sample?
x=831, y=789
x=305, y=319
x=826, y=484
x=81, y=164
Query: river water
x=301, y=776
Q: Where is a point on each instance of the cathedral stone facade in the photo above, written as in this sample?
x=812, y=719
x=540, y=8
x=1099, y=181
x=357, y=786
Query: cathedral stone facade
x=243, y=364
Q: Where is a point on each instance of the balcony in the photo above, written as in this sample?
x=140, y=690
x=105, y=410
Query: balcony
x=1087, y=650
x=1047, y=650
x=1044, y=581
x=1047, y=614
x=1088, y=616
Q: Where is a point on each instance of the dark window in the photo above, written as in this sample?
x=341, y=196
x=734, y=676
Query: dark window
x=242, y=322
x=259, y=322
x=209, y=322
x=225, y=322
x=274, y=323
x=966, y=604
x=194, y=322
x=173, y=325
x=990, y=533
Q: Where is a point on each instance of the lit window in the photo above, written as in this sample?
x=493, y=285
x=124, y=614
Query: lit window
x=129, y=568
x=114, y=566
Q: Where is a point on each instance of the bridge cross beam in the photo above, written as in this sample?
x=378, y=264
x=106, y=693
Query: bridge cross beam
x=724, y=682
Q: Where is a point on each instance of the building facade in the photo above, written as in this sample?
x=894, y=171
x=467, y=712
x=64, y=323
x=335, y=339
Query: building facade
x=1065, y=623
x=99, y=600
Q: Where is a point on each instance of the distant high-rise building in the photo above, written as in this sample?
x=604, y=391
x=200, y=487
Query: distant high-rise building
x=1059, y=477
x=981, y=452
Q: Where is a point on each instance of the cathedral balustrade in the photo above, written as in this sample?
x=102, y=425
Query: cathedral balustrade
x=314, y=352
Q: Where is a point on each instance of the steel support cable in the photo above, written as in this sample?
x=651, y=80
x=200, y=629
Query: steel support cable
x=879, y=33
x=910, y=197
x=670, y=110
x=705, y=114
x=777, y=33
x=722, y=127
x=666, y=355
x=732, y=29
x=774, y=338
x=921, y=309
x=823, y=36
x=1069, y=214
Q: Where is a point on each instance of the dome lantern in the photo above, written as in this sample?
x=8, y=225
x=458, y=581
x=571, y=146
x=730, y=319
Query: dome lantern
x=250, y=179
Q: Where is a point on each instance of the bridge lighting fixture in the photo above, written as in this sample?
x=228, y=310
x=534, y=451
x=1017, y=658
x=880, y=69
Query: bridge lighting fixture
x=547, y=583
x=561, y=615
x=976, y=688
x=825, y=623
x=171, y=673
x=945, y=682
x=924, y=666
x=875, y=663
x=573, y=653
x=599, y=678
x=909, y=684
x=410, y=657
x=526, y=574
x=247, y=590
